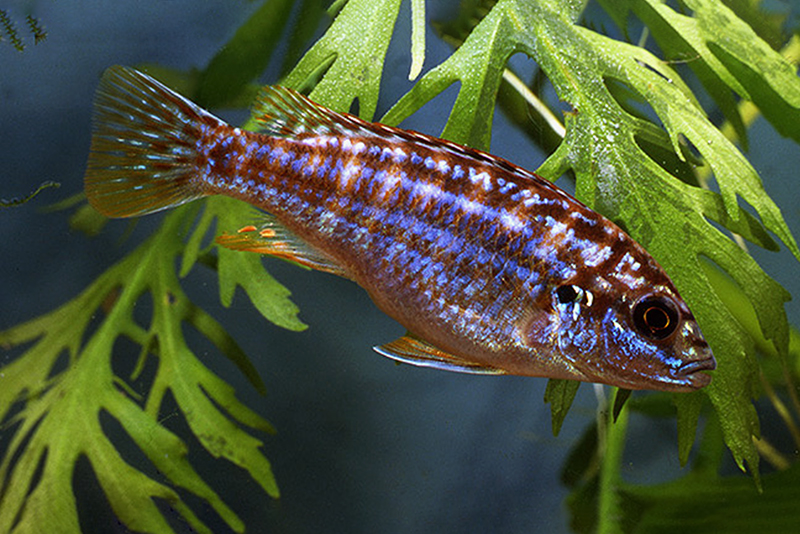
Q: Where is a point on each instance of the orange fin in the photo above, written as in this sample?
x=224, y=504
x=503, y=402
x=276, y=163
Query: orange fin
x=274, y=239
x=412, y=350
x=144, y=145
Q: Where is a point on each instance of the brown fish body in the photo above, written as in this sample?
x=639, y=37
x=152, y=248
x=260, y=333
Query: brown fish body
x=489, y=267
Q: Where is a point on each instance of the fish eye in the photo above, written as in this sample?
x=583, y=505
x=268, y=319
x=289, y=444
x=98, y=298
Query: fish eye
x=656, y=317
x=568, y=293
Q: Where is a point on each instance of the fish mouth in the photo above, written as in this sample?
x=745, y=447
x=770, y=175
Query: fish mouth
x=691, y=371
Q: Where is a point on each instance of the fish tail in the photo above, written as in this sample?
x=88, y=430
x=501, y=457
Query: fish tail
x=145, y=143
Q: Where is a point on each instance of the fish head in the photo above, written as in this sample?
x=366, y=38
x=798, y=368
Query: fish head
x=646, y=338
x=652, y=341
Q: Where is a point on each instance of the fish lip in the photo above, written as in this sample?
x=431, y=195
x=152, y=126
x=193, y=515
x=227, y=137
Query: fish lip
x=695, y=366
x=692, y=373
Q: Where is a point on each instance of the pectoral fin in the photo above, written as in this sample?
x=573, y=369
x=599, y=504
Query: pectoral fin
x=412, y=350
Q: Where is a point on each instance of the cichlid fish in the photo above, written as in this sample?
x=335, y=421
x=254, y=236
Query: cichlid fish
x=492, y=269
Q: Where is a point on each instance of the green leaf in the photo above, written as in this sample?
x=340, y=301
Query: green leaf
x=667, y=216
x=686, y=42
x=770, y=81
x=245, y=270
x=725, y=53
x=417, y=38
x=349, y=57
x=706, y=504
x=560, y=394
x=59, y=416
x=478, y=64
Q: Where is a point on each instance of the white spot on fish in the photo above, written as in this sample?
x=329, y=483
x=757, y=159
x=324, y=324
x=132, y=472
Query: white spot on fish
x=347, y=175
x=427, y=190
x=593, y=255
x=511, y=221
x=468, y=206
x=482, y=178
x=388, y=182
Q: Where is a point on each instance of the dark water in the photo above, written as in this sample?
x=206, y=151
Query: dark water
x=363, y=445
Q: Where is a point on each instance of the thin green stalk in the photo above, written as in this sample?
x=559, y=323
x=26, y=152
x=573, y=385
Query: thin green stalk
x=609, y=513
x=535, y=102
x=781, y=409
x=776, y=458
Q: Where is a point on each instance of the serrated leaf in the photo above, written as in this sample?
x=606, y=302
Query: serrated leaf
x=560, y=394
x=726, y=54
x=351, y=54
x=245, y=270
x=657, y=210
x=680, y=35
x=771, y=82
x=478, y=64
x=59, y=418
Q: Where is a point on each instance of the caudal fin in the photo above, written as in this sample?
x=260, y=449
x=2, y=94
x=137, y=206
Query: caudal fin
x=144, y=145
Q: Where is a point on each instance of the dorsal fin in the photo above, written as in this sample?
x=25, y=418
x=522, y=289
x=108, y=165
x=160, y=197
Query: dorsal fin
x=284, y=112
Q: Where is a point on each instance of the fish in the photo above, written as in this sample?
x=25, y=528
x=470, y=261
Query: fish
x=491, y=269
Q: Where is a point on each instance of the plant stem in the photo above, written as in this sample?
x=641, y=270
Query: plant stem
x=609, y=514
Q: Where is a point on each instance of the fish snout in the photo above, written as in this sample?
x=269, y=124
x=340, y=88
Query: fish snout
x=692, y=371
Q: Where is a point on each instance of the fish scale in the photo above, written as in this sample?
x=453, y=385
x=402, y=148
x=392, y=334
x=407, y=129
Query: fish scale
x=491, y=269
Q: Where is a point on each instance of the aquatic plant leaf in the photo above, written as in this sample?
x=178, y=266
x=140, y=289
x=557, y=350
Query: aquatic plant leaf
x=349, y=57
x=269, y=297
x=478, y=65
x=699, y=503
x=57, y=420
x=726, y=54
x=671, y=218
x=615, y=176
x=770, y=81
x=560, y=394
x=681, y=36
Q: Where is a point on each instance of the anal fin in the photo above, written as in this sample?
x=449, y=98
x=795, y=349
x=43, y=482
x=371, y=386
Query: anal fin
x=273, y=239
x=412, y=350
